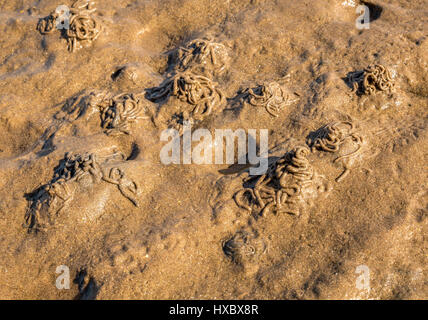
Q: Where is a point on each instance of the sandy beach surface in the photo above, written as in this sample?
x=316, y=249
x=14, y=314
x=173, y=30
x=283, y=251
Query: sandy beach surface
x=88, y=209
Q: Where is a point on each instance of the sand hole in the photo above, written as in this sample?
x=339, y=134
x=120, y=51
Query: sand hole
x=375, y=10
